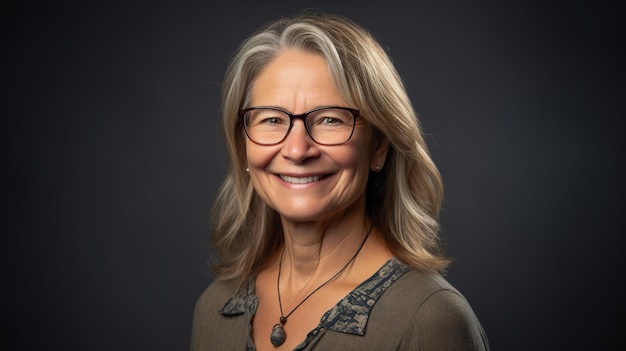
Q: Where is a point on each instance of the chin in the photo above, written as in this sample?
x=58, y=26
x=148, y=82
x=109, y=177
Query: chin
x=302, y=213
x=301, y=217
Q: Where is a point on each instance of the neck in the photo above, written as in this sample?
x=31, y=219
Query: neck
x=313, y=251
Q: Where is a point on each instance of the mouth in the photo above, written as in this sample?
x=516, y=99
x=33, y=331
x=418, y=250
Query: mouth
x=301, y=180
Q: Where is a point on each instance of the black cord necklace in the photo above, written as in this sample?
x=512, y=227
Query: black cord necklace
x=278, y=335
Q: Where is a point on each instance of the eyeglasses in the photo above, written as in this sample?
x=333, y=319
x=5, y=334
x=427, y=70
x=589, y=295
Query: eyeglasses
x=325, y=125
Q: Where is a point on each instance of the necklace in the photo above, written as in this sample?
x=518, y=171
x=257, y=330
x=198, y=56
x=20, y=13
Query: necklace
x=278, y=335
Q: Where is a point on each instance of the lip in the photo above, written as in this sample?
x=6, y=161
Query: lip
x=301, y=179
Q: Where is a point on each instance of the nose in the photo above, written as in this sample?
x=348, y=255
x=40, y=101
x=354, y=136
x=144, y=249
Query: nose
x=298, y=145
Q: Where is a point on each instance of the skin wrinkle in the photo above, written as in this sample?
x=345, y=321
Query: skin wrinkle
x=323, y=251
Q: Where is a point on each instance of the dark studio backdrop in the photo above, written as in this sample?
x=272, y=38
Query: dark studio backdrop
x=112, y=157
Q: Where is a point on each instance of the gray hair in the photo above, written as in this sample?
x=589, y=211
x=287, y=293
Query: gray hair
x=403, y=200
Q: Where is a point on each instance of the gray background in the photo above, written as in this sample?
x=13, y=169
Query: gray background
x=112, y=158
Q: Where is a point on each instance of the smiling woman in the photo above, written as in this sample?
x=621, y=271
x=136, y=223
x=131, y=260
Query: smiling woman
x=299, y=81
x=326, y=225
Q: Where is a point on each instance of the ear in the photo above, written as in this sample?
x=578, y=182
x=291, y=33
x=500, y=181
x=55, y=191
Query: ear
x=379, y=155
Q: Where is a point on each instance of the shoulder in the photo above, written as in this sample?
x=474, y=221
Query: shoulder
x=212, y=300
x=218, y=290
x=417, y=288
x=436, y=315
x=212, y=329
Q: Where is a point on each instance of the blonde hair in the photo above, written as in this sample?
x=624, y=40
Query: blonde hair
x=403, y=200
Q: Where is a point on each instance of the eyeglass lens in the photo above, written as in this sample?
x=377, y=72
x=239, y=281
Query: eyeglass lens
x=329, y=126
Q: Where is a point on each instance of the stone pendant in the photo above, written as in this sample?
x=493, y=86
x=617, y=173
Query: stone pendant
x=278, y=335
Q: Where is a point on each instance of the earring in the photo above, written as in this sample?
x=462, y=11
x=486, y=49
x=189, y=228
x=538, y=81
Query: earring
x=247, y=169
x=377, y=169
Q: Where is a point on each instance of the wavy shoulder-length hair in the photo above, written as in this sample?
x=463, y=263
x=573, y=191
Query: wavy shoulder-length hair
x=403, y=200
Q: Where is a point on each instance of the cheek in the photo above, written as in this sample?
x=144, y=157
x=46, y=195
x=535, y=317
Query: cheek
x=257, y=159
x=355, y=165
x=363, y=144
x=362, y=153
x=356, y=159
x=258, y=156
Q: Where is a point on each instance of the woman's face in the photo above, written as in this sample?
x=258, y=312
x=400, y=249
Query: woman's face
x=300, y=179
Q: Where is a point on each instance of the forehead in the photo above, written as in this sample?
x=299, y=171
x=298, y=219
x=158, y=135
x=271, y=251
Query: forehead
x=296, y=81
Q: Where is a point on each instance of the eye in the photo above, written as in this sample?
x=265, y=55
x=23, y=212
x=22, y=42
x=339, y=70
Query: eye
x=267, y=118
x=272, y=120
x=330, y=120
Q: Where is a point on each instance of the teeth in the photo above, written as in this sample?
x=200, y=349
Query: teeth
x=302, y=180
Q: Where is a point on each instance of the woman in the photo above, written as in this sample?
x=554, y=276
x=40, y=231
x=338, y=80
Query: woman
x=326, y=224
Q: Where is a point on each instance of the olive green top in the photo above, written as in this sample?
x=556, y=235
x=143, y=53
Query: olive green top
x=398, y=308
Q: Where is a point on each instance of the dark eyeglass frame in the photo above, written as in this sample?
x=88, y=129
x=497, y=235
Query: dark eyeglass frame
x=356, y=113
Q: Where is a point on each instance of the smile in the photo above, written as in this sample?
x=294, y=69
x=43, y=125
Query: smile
x=300, y=180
